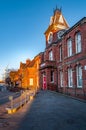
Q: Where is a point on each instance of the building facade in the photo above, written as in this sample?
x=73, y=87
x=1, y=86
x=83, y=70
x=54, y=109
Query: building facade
x=27, y=76
x=63, y=66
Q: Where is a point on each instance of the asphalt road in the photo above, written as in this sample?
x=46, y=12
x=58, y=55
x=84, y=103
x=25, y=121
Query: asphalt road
x=4, y=96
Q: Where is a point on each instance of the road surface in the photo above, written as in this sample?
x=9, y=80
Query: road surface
x=49, y=111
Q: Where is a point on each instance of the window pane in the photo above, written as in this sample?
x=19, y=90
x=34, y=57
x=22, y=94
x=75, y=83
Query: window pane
x=79, y=76
x=80, y=82
x=70, y=78
x=31, y=81
x=50, y=55
x=78, y=42
x=69, y=47
x=61, y=78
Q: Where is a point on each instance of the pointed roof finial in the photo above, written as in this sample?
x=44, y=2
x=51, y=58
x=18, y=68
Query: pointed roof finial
x=61, y=9
x=57, y=9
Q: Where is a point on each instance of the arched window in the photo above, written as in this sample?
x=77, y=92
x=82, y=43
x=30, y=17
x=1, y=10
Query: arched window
x=51, y=55
x=50, y=37
x=78, y=42
x=61, y=78
x=69, y=44
x=70, y=77
x=79, y=76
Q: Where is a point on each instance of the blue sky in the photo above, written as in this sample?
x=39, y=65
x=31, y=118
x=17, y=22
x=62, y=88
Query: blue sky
x=23, y=23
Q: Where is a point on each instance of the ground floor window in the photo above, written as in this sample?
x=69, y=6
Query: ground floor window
x=31, y=81
x=44, y=82
x=79, y=76
x=70, y=77
x=61, y=78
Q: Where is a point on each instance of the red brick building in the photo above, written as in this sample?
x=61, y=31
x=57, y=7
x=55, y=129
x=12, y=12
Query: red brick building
x=63, y=66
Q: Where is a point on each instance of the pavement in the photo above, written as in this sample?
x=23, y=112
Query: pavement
x=48, y=111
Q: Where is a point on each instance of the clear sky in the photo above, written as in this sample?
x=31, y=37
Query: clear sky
x=23, y=23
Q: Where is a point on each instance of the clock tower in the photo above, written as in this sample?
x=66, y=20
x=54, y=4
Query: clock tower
x=48, y=66
x=57, y=23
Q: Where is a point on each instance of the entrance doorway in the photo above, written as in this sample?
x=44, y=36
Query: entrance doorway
x=44, y=82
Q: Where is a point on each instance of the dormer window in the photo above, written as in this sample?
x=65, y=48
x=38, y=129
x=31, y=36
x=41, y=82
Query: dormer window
x=50, y=37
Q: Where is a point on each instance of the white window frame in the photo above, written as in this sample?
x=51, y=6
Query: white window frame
x=50, y=37
x=31, y=81
x=69, y=44
x=61, y=78
x=79, y=76
x=51, y=55
x=70, y=77
x=78, y=42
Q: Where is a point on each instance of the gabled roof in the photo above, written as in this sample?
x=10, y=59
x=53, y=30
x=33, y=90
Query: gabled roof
x=32, y=63
x=57, y=22
x=22, y=65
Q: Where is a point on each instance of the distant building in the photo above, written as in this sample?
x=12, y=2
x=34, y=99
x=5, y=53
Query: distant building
x=29, y=73
x=14, y=76
x=27, y=76
x=63, y=66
